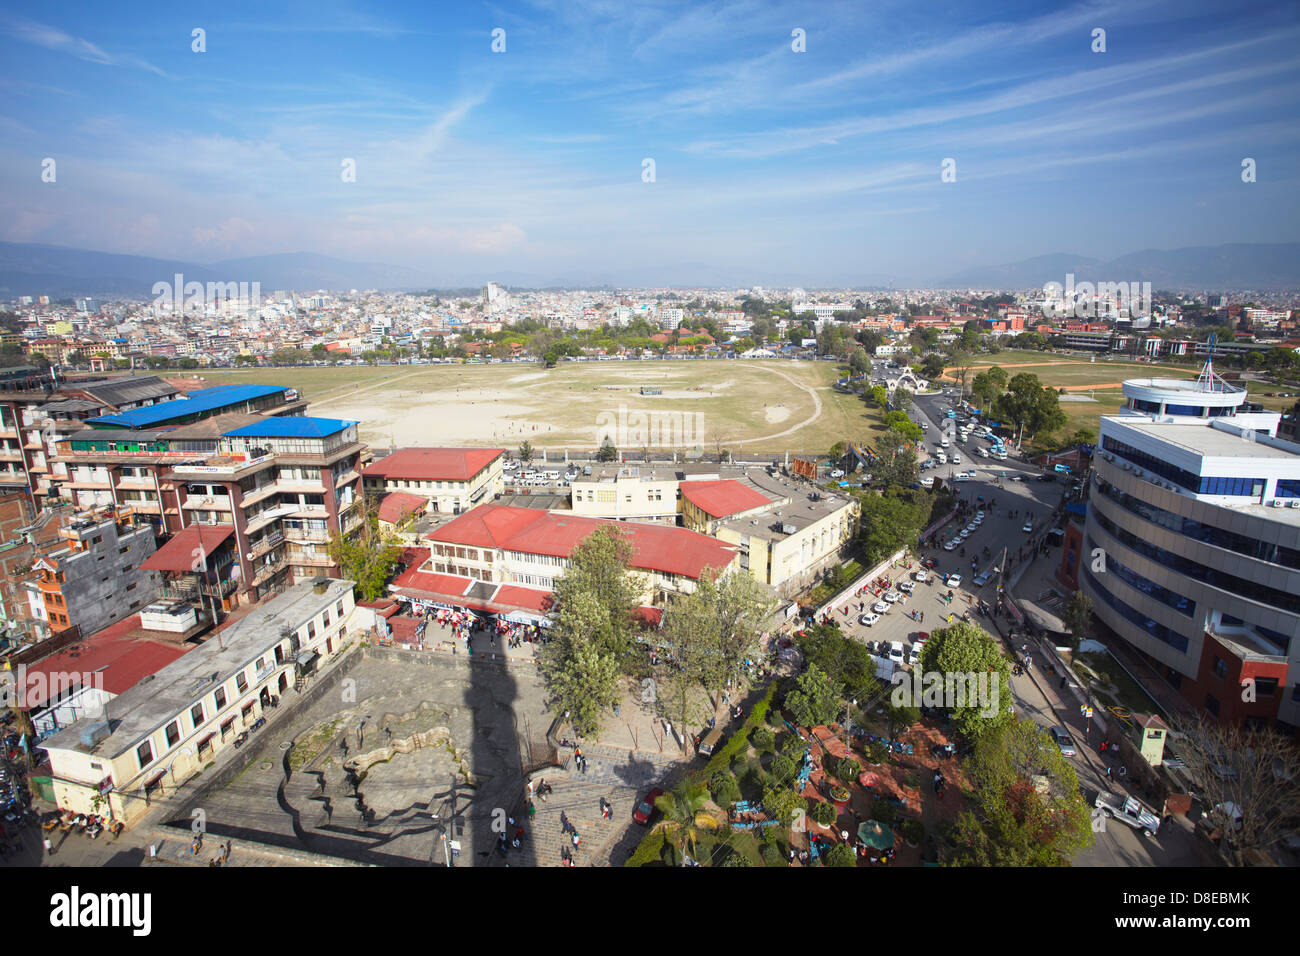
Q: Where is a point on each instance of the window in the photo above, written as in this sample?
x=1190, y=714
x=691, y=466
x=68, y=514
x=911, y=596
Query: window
x=1220, y=668
x=1212, y=704
x=227, y=728
x=325, y=622
x=196, y=714
x=123, y=550
x=1265, y=686
x=173, y=733
x=338, y=608
x=241, y=682
x=220, y=697
x=144, y=753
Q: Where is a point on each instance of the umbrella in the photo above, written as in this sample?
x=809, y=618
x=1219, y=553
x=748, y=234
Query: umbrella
x=875, y=834
x=868, y=779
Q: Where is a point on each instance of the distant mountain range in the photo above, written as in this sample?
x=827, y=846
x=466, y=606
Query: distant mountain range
x=61, y=272
x=1236, y=266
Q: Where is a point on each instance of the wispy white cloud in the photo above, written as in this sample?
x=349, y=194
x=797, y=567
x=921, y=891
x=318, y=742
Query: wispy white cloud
x=52, y=38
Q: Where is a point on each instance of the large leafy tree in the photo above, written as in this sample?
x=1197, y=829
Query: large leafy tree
x=592, y=635
x=891, y=521
x=813, y=699
x=1028, y=809
x=896, y=459
x=847, y=663
x=968, y=649
x=1029, y=404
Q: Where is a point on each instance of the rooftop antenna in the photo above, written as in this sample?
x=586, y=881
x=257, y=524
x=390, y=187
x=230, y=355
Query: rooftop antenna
x=1208, y=381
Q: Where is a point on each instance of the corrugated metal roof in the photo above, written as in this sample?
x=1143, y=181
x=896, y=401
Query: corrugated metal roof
x=124, y=391
x=204, y=400
x=300, y=427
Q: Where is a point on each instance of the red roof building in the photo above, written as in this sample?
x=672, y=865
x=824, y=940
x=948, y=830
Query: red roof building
x=722, y=499
x=451, y=479
x=397, y=506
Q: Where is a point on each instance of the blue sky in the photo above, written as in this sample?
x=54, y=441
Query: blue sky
x=772, y=167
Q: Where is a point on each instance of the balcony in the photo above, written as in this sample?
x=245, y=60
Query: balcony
x=306, y=534
x=318, y=560
x=267, y=543
x=267, y=571
x=208, y=503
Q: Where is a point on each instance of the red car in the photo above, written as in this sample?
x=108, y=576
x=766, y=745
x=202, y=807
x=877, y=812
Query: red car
x=930, y=563
x=646, y=808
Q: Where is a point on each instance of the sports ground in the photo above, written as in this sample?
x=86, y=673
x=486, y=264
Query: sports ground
x=770, y=406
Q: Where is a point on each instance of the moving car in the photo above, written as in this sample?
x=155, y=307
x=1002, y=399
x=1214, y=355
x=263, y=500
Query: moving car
x=868, y=619
x=646, y=808
x=1027, y=527
x=982, y=578
x=1062, y=738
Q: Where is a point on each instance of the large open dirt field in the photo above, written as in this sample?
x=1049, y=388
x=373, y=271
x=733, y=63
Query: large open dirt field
x=769, y=406
x=755, y=406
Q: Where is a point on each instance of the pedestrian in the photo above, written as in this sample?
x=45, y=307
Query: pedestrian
x=577, y=840
x=1109, y=774
x=49, y=848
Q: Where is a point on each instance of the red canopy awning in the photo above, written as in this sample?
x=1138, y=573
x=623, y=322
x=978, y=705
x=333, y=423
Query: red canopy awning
x=189, y=548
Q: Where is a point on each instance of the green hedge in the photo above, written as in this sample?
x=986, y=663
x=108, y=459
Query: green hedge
x=739, y=741
x=649, y=849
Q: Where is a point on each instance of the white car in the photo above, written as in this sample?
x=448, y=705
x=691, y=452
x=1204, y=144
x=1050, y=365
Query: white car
x=983, y=452
x=891, y=597
x=837, y=473
x=1027, y=527
x=869, y=619
x=896, y=652
x=921, y=576
x=914, y=654
x=950, y=545
x=963, y=535
x=927, y=482
x=953, y=580
x=956, y=459
x=905, y=586
x=880, y=607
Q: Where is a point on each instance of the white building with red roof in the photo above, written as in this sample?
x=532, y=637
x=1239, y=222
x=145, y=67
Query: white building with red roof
x=452, y=480
x=502, y=560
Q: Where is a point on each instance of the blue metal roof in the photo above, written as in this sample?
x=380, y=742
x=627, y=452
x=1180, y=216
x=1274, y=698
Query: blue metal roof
x=297, y=427
x=204, y=400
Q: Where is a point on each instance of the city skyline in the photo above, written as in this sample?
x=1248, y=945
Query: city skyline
x=819, y=168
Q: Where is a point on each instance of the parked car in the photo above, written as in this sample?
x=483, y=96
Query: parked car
x=1027, y=527
x=868, y=619
x=920, y=576
x=896, y=653
x=880, y=607
x=1062, y=738
x=982, y=578
x=891, y=597
x=953, y=580
x=906, y=586
x=646, y=809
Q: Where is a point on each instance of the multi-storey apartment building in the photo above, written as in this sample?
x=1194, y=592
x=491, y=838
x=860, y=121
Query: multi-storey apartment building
x=1191, y=554
x=95, y=575
x=628, y=493
x=151, y=738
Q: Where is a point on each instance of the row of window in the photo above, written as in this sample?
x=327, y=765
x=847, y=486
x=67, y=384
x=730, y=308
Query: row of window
x=1208, y=533
x=1208, y=485
x=1198, y=572
x=1160, y=632
x=1148, y=587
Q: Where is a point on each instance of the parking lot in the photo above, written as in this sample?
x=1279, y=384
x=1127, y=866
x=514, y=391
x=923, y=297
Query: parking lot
x=1004, y=488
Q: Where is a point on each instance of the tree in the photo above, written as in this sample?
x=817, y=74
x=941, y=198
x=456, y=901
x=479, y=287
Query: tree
x=896, y=459
x=961, y=362
x=932, y=366
x=1247, y=780
x=841, y=855
x=968, y=649
x=685, y=815
x=877, y=395
x=368, y=558
x=1029, y=811
x=584, y=683
x=901, y=399
x=1030, y=405
x=1077, y=617
x=891, y=521
x=780, y=802
x=526, y=452
x=607, y=450
x=847, y=664
x=813, y=700
x=858, y=361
